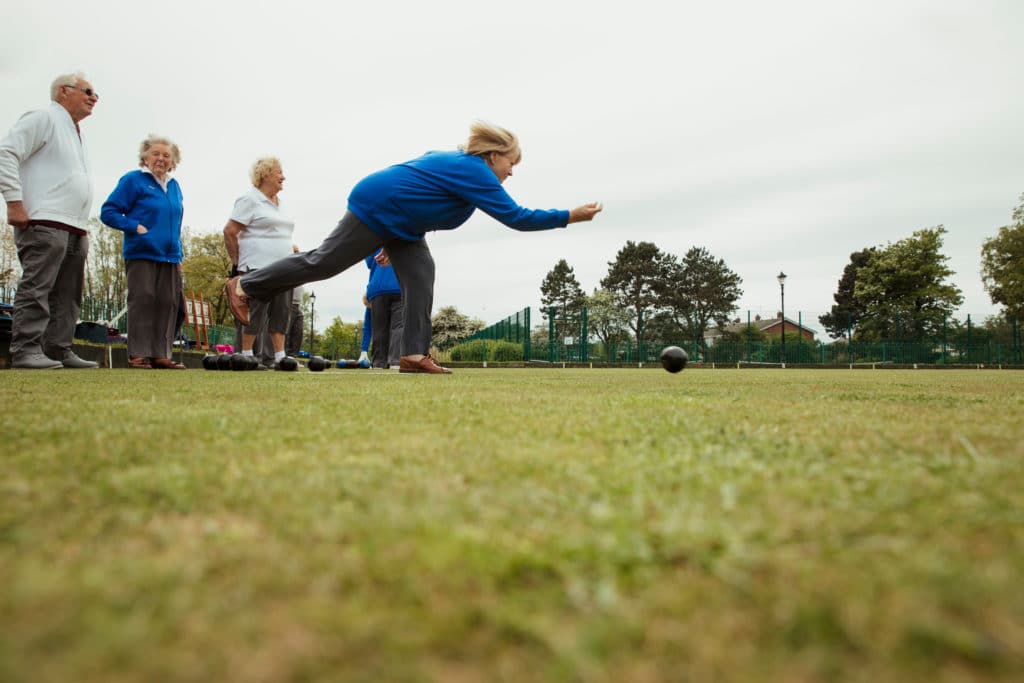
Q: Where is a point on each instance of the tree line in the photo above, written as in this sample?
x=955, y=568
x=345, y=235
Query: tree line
x=647, y=294
x=900, y=290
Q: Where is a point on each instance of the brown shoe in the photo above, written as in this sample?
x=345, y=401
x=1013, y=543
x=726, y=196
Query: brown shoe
x=139, y=363
x=425, y=364
x=166, y=364
x=238, y=304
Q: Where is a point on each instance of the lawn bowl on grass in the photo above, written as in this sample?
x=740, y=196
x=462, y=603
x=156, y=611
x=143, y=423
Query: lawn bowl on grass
x=673, y=358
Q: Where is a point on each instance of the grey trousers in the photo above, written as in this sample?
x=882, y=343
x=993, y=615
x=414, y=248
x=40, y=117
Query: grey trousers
x=386, y=325
x=293, y=340
x=49, y=294
x=154, y=292
x=350, y=243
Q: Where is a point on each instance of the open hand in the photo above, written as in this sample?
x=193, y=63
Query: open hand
x=585, y=212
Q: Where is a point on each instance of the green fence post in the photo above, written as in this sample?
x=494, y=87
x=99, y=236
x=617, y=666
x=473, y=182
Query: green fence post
x=551, y=334
x=527, y=355
x=584, y=348
x=799, y=335
x=944, y=340
x=968, y=337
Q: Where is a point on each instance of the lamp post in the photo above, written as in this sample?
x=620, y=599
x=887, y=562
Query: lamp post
x=781, y=277
x=312, y=304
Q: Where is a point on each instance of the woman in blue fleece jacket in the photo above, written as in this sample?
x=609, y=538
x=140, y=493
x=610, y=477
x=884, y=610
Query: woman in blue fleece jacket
x=385, y=297
x=146, y=206
x=394, y=209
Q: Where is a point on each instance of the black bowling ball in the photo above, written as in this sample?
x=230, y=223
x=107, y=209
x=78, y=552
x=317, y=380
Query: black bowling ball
x=287, y=364
x=673, y=358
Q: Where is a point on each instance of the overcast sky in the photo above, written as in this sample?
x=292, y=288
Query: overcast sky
x=778, y=135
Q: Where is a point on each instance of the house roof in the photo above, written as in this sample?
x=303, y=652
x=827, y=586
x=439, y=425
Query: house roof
x=761, y=324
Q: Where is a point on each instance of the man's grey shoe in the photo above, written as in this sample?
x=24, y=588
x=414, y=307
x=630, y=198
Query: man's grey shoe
x=35, y=361
x=71, y=360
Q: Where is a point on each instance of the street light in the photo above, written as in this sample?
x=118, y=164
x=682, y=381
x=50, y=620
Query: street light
x=781, y=277
x=312, y=303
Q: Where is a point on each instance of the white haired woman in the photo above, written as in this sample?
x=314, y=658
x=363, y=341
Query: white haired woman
x=394, y=208
x=147, y=207
x=258, y=234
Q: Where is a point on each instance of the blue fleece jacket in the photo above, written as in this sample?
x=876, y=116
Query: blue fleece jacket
x=382, y=280
x=440, y=191
x=139, y=199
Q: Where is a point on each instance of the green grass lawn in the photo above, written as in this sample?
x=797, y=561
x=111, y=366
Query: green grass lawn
x=512, y=525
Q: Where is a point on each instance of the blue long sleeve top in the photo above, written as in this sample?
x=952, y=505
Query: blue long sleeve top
x=440, y=191
x=139, y=199
x=367, y=331
x=382, y=280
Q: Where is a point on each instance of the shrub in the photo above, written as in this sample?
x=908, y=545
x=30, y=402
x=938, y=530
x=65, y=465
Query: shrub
x=479, y=350
x=469, y=351
x=503, y=351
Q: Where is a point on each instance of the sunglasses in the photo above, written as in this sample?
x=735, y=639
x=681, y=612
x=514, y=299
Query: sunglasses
x=89, y=92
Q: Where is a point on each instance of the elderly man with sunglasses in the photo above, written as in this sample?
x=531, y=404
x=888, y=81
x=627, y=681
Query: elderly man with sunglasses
x=44, y=177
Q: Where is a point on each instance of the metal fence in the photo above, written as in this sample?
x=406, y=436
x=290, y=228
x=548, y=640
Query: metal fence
x=514, y=329
x=570, y=339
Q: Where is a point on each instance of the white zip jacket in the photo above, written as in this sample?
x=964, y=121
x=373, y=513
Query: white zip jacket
x=43, y=164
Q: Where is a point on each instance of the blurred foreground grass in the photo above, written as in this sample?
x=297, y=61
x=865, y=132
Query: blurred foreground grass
x=512, y=525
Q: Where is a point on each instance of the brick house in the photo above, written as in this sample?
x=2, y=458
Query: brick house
x=770, y=327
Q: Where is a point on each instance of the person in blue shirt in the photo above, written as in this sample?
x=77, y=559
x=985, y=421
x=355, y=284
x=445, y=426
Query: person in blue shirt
x=394, y=209
x=385, y=297
x=147, y=207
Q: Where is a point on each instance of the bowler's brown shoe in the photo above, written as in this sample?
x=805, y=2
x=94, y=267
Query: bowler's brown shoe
x=425, y=364
x=238, y=304
x=166, y=364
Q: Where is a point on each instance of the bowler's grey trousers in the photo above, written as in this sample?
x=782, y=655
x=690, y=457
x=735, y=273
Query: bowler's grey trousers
x=350, y=243
x=154, y=291
x=49, y=294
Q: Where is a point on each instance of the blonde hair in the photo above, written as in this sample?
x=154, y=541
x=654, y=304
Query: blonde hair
x=65, y=79
x=262, y=168
x=153, y=139
x=485, y=138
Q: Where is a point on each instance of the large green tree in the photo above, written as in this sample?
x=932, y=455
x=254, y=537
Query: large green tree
x=448, y=327
x=105, y=279
x=634, y=277
x=904, y=291
x=847, y=310
x=1002, y=266
x=10, y=267
x=698, y=289
x=340, y=339
x=606, y=320
x=205, y=268
x=561, y=290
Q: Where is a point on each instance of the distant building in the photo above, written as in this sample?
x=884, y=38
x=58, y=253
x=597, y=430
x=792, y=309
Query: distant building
x=770, y=327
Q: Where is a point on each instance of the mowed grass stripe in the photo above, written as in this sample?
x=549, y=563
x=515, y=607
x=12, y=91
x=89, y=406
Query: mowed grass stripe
x=595, y=525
